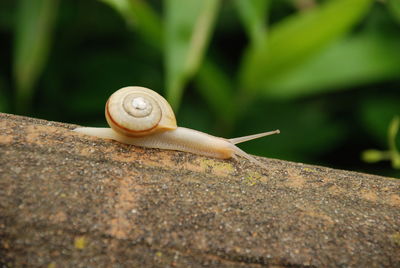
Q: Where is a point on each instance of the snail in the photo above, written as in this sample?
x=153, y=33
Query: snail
x=140, y=116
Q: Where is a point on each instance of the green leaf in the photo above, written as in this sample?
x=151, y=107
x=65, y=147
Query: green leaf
x=393, y=132
x=394, y=8
x=35, y=21
x=358, y=60
x=253, y=14
x=140, y=16
x=212, y=82
x=393, y=154
x=188, y=25
x=216, y=88
x=298, y=37
x=373, y=156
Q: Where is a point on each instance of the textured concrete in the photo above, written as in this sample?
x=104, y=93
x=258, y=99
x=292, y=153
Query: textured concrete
x=68, y=200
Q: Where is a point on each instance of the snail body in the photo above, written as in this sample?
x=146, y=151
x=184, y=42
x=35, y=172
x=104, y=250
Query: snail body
x=129, y=111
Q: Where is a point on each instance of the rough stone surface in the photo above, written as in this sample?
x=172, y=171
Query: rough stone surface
x=69, y=200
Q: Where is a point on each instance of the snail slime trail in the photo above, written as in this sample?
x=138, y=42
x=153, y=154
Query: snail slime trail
x=141, y=117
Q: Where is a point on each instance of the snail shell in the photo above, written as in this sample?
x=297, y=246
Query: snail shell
x=139, y=111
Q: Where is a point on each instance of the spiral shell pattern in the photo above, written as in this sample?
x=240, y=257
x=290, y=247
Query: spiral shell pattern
x=139, y=111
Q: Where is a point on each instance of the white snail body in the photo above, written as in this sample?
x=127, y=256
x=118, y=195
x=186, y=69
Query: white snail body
x=134, y=102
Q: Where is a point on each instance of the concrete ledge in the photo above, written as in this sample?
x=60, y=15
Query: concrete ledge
x=68, y=200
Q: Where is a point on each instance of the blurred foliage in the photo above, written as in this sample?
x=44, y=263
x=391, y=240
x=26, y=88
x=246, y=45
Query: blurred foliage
x=34, y=22
x=393, y=154
x=326, y=73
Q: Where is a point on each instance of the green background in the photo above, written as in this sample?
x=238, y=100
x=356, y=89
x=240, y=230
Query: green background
x=326, y=73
